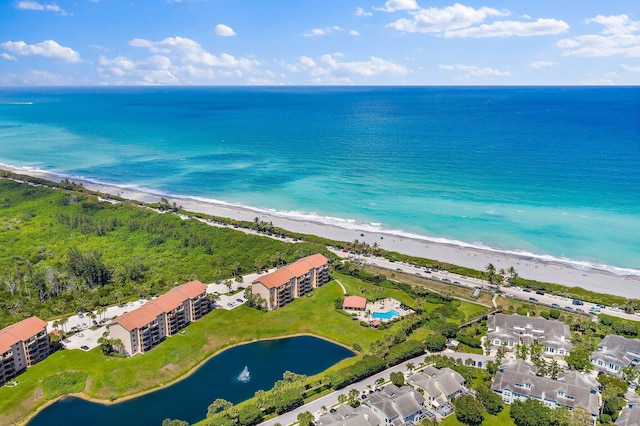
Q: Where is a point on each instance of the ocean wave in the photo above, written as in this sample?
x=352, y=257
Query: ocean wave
x=344, y=223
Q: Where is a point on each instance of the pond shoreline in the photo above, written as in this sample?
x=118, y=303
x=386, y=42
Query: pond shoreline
x=191, y=371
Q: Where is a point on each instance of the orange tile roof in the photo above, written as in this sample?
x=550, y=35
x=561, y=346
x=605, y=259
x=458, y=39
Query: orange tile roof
x=191, y=289
x=169, y=301
x=354, y=302
x=296, y=269
x=275, y=279
x=140, y=317
x=6, y=341
x=316, y=260
x=20, y=331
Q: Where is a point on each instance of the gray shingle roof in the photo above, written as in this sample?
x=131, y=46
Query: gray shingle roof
x=346, y=415
x=518, y=328
x=394, y=402
x=571, y=389
x=618, y=350
x=439, y=384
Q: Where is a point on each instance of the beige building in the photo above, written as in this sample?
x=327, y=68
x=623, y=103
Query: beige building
x=144, y=328
x=279, y=288
x=21, y=345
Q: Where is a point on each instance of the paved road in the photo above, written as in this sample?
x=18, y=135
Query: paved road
x=514, y=292
x=88, y=334
x=331, y=399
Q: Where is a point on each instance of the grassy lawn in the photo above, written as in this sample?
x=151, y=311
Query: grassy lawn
x=114, y=378
x=355, y=287
x=502, y=419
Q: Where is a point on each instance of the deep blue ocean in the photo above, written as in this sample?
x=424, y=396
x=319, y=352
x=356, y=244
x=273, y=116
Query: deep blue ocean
x=550, y=171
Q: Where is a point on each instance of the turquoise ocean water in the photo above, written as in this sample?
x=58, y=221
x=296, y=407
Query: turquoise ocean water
x=554, y=172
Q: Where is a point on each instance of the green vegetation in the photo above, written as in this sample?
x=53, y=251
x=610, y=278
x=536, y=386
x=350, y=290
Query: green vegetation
x=63, y=249
x=629, y=305
x=63, y=383
x=501, y=419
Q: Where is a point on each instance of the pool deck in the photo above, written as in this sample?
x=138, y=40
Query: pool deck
x=382, y=306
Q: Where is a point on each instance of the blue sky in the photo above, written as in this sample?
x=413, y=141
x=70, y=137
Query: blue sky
x=319, y=42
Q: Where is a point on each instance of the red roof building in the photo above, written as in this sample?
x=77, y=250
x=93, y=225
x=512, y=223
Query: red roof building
x=22, y=345
x=354, y=303
x=279, y=288
x=142, y=329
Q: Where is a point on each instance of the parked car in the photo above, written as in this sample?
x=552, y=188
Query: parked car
x=533, y=299
x=555, y=305
x=541, y=293
x=239, y=300
x=84, y=347
x=526, y=290
x=577, y=302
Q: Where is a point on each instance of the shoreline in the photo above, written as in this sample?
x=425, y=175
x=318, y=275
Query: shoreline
x=570, y=274
x=188, y=373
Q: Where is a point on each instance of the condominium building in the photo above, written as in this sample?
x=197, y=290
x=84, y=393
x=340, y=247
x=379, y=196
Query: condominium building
x=144, y=328
x=615, y=353
x=21, y=345
x=512, y=330
x=518, y=380
x=279, y=288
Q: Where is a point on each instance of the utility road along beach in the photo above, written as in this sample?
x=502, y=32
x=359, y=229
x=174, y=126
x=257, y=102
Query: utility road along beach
x=587, y=278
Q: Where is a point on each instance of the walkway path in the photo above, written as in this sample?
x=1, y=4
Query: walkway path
x=344, y=290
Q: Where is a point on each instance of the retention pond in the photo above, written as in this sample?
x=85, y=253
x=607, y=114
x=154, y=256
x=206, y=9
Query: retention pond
x=235, y=375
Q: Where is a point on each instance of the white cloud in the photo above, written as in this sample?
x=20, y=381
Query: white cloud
x=474, y=71
x=354, y=33
x=330, y=70
x=630, y=68
x=317, y=32
x=450, y=18
x=176, y=61
x=619, y=37
x=34, y=5
x=224, y=30
x=543, y=64
x=395, y=5
x=360, y=12
x=48, y=48
x=616, y=24
x=191, y=52
x=8, y=57
x=513, y=28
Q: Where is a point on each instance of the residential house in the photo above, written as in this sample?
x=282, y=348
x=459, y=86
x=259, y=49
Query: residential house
x=396, y=406
x=354, y=303
x=279, y=288
x=144, y=328
x=630, y=413
x=22, y=345
x=439, y=385
x=345, y=415
x=518, y=380
x=616, y=352
x=511, y=330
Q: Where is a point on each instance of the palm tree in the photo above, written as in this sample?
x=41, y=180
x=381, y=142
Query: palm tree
x=410, y=366
x=512, y=272
x=491, y=270
x=353, y=396
x=342, y=398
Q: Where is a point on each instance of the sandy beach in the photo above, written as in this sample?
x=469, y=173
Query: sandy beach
x=533, y=268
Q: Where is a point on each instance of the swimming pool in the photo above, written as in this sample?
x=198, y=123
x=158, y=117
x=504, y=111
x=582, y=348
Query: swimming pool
x=385, y=315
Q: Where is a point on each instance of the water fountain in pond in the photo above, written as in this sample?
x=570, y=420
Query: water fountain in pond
x=244, y=376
